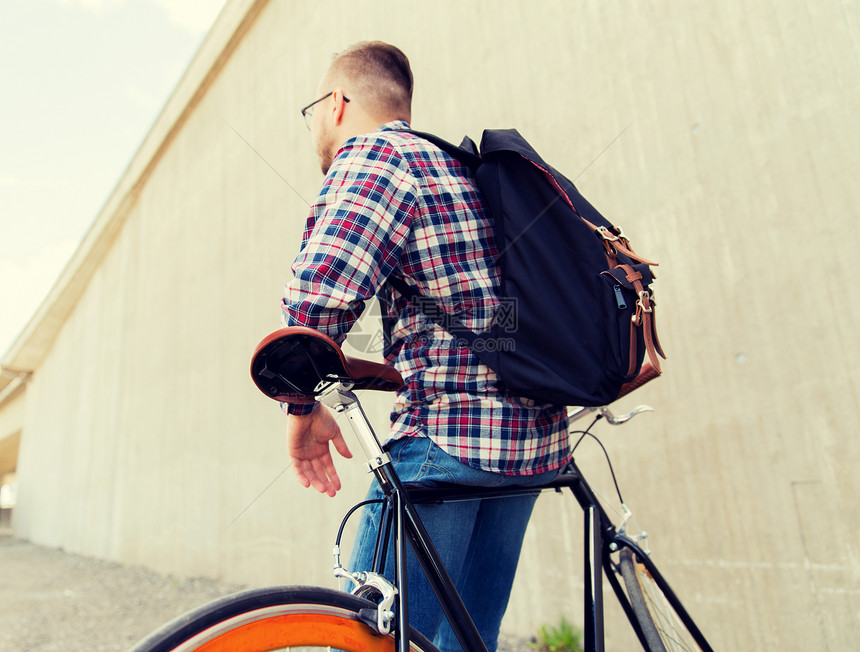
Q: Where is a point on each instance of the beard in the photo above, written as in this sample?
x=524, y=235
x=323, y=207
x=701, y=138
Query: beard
x=324, y=143
x=325, y=163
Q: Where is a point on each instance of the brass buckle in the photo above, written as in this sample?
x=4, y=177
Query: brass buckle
x=644, y=302
x=606, y=234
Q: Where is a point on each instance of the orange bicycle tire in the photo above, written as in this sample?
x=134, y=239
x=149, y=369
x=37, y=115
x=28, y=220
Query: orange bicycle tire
x=276, y=618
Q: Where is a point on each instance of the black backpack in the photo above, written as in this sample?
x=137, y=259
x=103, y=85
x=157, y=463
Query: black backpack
x=576, y=313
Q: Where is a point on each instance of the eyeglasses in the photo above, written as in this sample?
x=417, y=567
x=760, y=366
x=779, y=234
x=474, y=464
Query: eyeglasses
x=308, y=111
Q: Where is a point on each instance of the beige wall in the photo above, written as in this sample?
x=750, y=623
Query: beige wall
x=144, y=440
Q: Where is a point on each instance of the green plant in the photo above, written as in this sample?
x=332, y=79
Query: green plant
x=566, y=637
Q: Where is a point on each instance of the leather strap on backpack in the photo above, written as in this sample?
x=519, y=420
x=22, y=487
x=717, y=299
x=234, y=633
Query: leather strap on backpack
x=644, y=319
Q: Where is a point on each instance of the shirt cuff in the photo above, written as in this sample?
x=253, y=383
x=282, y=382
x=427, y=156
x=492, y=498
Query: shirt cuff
x=300, y=409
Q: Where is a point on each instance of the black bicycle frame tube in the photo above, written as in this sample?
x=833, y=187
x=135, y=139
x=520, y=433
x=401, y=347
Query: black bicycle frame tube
x=383, y=534
x=401, y=635
x=408, y=523
x=593, y=544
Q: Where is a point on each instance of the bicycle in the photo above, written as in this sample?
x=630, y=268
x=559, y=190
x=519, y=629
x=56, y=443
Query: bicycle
x=298, y=364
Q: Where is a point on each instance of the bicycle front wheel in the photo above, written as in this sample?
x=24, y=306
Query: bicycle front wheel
x=277, y=618
x=664, y=629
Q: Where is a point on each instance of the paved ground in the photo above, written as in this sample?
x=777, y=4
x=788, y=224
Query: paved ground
x=51, y=601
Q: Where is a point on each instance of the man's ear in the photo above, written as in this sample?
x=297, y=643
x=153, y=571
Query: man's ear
x=338, y=106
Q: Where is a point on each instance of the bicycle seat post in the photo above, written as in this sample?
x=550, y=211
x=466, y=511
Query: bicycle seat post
x=341, y=398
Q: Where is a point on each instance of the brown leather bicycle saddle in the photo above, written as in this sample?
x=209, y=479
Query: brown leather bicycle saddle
x=295, y=364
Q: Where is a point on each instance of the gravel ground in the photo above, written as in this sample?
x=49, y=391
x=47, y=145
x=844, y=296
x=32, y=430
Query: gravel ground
x=54, y=601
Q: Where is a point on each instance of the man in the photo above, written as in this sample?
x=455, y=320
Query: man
x=393, y=204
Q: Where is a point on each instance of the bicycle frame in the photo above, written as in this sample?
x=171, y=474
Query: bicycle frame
x=407, y=526
x=601, y=540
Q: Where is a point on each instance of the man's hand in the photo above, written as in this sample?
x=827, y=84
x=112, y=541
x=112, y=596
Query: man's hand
x=308, y=438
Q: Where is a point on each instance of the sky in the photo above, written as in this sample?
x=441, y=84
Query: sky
x=81, y=83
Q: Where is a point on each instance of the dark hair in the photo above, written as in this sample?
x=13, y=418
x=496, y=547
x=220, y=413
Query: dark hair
x=382, y=77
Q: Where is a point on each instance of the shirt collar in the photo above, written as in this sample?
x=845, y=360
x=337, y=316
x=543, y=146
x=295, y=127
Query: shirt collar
x=395, y=125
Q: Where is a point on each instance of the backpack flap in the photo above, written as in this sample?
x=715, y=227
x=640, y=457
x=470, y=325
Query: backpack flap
x=550, y=264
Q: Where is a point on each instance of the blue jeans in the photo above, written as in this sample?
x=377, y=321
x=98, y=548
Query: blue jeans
x=479, y=541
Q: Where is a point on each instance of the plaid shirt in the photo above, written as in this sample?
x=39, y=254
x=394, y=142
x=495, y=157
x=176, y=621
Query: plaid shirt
x=392, y=203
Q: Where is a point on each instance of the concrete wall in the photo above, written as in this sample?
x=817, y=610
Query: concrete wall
x=720, y=135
